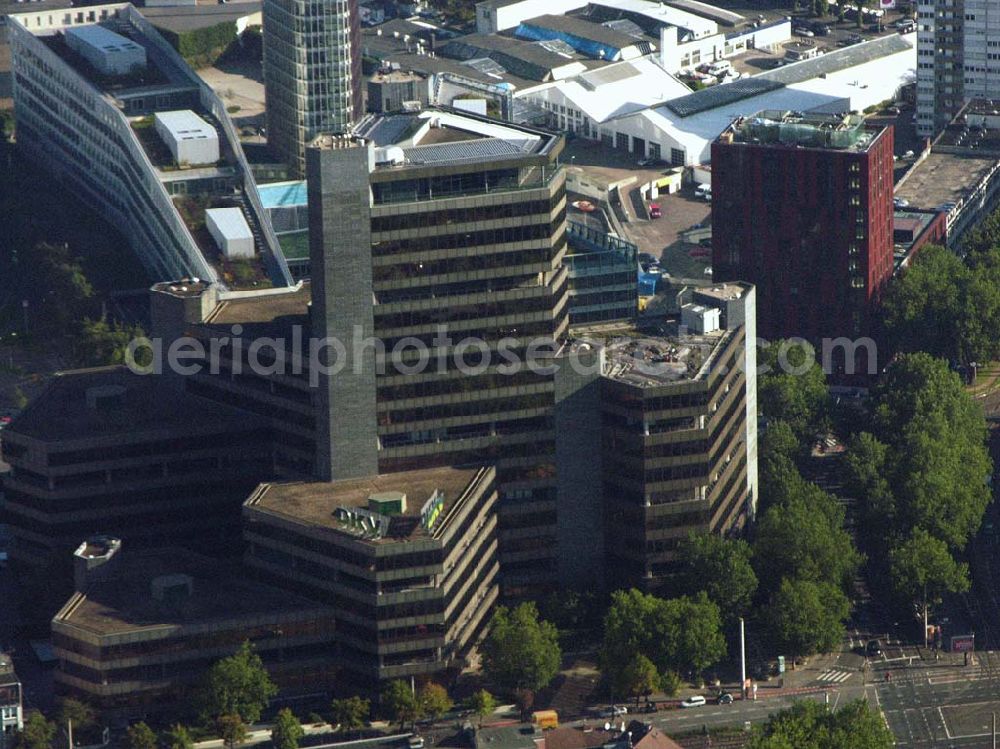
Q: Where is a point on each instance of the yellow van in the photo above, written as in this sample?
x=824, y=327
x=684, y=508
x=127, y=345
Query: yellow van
x=545, y=719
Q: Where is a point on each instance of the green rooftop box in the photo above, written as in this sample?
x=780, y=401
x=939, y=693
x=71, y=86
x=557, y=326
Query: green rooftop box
x=387, y=503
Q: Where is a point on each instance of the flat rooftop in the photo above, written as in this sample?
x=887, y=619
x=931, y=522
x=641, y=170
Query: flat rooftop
x=662, y=360
x=126, y=404
x=181, y=18
x=983, y=107
x=643, y=358
x=220, y=592
x=437, y=136
x=316, y=503
x=716, y=97
x=724, y=292
x=156, y=73
x=802, y=130
x=271, y=314
x=581, y=29
x=944, y=178
x=975, y=130
x=383, y=43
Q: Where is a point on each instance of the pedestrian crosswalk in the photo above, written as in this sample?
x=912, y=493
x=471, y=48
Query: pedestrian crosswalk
x=835, y=675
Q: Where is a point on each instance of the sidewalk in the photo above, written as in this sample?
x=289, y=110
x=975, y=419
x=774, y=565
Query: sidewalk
x=260, y=733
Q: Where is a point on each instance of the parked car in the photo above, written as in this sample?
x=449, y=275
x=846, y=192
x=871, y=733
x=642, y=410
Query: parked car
x=724, y=698
x=696, y=700
x=803, y=31
x=820, y=29
x=416, y=742
x=654, y=210
x=616, y=711
x=645, y=258
x=900, y=202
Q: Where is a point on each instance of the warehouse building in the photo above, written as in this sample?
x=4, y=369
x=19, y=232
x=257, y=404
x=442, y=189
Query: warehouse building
x=682, y=129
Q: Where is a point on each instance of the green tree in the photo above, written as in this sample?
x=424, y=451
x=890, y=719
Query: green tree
x=350, y=713
x=434, y=700
x=59, y=294
x=79, y=712
x=813, y=725
x=807, y=617
x=400, y=703
x=982, y=240
x=287, y=732
x=670, y=683
x=637, y=678
x=947, y=307
x=37, y=733
x=793, y=388
x=238, y=685
x=482, y=703
x=521, y=651
x=679, y=634
x=802, y=536
x=698, y=640
x=140, y=736
x=935, y=462
x=923, y=569
x=232, y=730
x=779, y=442
x=722, y=569
x=176, y=737
x=98, y=343
x=866, y=462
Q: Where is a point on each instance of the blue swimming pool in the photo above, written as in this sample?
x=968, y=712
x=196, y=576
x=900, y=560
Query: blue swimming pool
x=280, y=194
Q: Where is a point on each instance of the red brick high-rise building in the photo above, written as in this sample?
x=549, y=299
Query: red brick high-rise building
x=802, y=207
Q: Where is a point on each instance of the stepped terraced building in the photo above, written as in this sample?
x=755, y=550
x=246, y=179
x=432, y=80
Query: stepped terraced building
x=91, y=89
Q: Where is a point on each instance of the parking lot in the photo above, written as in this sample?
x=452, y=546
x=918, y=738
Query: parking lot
x=659, y=237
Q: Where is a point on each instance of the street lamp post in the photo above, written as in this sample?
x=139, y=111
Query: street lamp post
x=743, y=659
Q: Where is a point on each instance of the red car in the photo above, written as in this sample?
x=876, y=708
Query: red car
x=654, y=210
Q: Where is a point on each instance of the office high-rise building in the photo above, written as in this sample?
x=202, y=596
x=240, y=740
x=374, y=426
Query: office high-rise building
x=656, y=437
x=802, y=208
x=430, y=226
x=958, y=58
x=312, y=72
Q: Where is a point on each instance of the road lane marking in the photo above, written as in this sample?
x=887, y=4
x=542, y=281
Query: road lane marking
x=834, y=675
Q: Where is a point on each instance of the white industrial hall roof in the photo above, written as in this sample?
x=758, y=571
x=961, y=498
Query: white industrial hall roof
x=872, y=80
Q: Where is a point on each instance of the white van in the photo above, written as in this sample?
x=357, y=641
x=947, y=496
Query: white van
x=722, y=67
x=703, y=191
